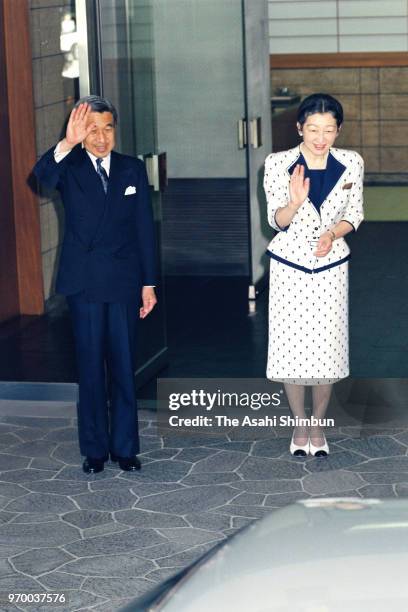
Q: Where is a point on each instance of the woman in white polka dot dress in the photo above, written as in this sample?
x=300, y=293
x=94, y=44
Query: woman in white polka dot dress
x=315, y=198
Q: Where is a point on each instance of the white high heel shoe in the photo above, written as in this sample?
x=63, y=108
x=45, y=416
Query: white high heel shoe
x=298, y=450
x=319, y=451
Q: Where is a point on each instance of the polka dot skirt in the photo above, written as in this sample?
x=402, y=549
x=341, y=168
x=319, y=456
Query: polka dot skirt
x=308, y=325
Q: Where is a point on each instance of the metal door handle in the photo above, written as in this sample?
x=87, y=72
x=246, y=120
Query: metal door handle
x=242, y=134
x=156, y=168
x=255, y=128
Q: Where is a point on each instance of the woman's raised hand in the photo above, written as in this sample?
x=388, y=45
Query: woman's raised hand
x=78, y=127
x=298, y=187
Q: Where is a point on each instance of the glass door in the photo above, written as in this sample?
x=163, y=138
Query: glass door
x=123, y=46
x=201, y=103
x=213, y=99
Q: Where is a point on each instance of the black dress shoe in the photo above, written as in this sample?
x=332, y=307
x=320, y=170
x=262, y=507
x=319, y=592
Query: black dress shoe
x=93, y=466
x=127, y=464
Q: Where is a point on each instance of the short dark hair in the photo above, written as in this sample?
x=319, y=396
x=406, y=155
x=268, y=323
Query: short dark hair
x=99, y=105
x=320, y=103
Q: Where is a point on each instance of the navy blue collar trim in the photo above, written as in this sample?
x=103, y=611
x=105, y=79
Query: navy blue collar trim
x=334, y=170
x=307, y=270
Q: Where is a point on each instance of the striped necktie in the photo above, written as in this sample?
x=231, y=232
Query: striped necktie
x=102, y=173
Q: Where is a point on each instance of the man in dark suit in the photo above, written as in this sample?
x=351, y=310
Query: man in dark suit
x=107, y=270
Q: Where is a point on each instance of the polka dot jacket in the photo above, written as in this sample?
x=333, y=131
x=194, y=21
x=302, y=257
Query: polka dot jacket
x=343, y=200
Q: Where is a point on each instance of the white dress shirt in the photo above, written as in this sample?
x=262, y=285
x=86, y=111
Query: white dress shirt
x=59, y=156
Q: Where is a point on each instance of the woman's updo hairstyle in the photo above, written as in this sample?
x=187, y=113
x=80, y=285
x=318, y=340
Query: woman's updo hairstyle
x=320, y=103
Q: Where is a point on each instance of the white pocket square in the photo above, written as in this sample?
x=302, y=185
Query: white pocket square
x=130, y=190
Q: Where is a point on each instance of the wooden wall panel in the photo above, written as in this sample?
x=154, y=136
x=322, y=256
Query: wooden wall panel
x=339, y=60
x=9, y=301
x=21, y=286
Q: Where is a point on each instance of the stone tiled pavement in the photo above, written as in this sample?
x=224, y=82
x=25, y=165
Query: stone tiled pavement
x=109, y=537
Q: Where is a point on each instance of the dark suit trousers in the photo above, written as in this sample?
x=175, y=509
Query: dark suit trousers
x=105, y=338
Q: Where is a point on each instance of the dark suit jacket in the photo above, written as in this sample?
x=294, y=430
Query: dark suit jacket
x=108, y=252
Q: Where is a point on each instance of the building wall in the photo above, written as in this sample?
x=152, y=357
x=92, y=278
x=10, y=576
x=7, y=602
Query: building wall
x=330, y=26
x=374, y=99
x=375, y=105
x=54, y=96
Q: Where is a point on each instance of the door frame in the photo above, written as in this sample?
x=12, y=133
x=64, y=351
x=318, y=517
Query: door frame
x=21, y=278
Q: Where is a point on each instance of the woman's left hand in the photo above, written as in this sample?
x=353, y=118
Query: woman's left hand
x=324, y=246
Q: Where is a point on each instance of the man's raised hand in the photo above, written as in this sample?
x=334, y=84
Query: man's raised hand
x=78, y=127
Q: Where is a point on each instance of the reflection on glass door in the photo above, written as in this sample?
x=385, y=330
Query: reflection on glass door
x=126, y=72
